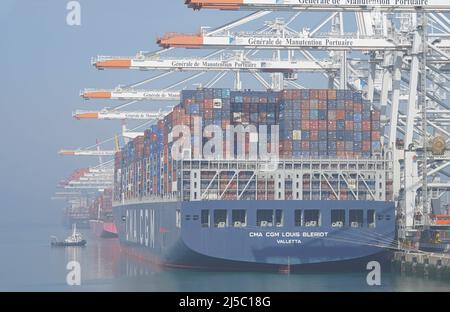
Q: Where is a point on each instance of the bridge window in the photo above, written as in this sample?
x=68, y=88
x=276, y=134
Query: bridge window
x=264, y=218
x=356, y=218
x=371, y=218
x=312, y=218
x=220, y=218
x=279, y=220
x=337, y=218
x=205, y=218
x=239, y=218
x=298, y=217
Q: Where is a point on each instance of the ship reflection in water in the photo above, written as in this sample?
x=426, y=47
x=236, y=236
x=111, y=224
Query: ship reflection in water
x=114, y=270
x=104, y=267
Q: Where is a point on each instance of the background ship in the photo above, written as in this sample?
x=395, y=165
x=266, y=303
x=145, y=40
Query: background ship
x=102, y=223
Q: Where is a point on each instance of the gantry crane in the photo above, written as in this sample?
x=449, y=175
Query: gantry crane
x=403, y=56
x=310, y=5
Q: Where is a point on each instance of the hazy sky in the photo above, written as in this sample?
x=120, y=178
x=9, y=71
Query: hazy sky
x=45, y=63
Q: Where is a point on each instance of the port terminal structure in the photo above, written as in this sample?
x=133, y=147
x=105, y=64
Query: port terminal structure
x=398, y=56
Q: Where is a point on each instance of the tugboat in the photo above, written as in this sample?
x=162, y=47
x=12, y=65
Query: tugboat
x=75, y=240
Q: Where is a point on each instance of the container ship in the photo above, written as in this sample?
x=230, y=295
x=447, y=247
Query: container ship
x=77, y=211
x=324, y=202
x=101, y=221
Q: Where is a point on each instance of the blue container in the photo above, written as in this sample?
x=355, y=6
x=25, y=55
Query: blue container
x=332, y=104
x=323, y=114
x=357, y=146
x=340, y=135
x=332, y=135
x=323, y=146
x=296, y=145
x=348, y=135
x=376, y=147
x=314, y=145
x=332, y=145
x=366, y=136
x=306, y=135
x=349, y=115
x=357, y=117
x=323, y=135
x=357, y=97
x=340, y=94
x=194, y=109
x=357, y=136
x=376, y=125
x=340, y=125
x=305, y=94
x=349, y=94
x=313, y=114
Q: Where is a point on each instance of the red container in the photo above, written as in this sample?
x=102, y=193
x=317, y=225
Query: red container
x=314, y=135
x=322, y=104
x=208, y=104
x=332, y=94
x=376, y=115
x=348, y=125
x=323, y=94
x=314, y=94
x=366, y=125
x=314, y=124
x=349, y=154
x=305, y=145
x=306, y=125
x=366, y=146
x=340, y=114
x=304, y=104
x=340, y=145
x=286, y=146
x=357, y=108
x=376, y=135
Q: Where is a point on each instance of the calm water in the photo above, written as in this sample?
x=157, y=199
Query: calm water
x=27, y=263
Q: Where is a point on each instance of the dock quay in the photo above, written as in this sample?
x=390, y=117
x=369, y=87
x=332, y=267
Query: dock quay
x=423, y=264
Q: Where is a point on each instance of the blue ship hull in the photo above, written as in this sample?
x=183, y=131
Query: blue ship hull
x=175, y=234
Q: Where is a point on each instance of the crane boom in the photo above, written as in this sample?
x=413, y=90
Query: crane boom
x=323, y=5
x=86, y=153
x=114, y=115
x=292, y=41
x=141, y=62
x=131, y=94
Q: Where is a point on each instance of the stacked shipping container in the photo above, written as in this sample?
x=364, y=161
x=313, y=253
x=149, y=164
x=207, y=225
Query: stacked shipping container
x=312, y=123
